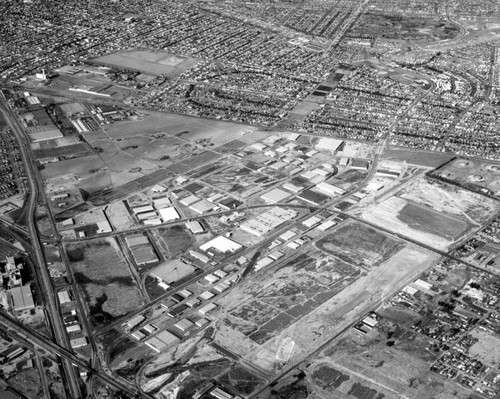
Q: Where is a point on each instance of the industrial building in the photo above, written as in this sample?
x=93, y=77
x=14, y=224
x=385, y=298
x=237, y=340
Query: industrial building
x=168, y=214
x=195, y=227
x=202, y=206
x=172, y=271
x=22, y=297
x=63, y=297
x=328, y=144
x=275, y=195
x=267, y=221
x=329, y=189
x=160, y=203
x=221, y=244
x=313, y=197
x=189, y=200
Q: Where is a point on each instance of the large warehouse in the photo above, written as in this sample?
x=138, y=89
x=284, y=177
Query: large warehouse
x=267, y=221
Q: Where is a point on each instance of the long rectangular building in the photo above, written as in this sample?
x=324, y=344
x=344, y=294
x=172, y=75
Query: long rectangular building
x=267, y=221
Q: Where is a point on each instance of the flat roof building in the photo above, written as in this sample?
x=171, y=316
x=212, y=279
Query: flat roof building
x=328, y=189
x=22, y=297
x=202, y=206
x=275, y=195
x=168, y=214
x=63, y=296
x=195, y=227
x=221, y=244
x=267, y=221
x=328, y=144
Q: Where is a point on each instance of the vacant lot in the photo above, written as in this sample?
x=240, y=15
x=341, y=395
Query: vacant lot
x=296, y=289
x=452, y=200
x=386, y=214
x=105, y=277
x=152, y=62
x=184, y=127
x=359, y=244
x=425, y=219
x=174, y=240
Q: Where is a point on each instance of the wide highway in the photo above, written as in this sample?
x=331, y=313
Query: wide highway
x=44, y=280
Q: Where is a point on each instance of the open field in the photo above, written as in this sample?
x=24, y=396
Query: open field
x=320, y=313
x=386, y=214
x=294, y=290
x=147, y=61
x=431, y=159
x=449, y=199
x=174, y=240
x=184, y=127
x=487, y=349
x=432, y=212
x=359, y=244
x=92, y=173
x=425, y=219
x=105, y=277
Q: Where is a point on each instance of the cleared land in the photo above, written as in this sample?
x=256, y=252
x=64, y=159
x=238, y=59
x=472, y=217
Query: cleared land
x=421, y=218
x=102, y=271
x=187, y=128
x=359, y=244
x=432, y=212
x=342, y=304
x=449, y=199
x=152, y=62
x=386, y=214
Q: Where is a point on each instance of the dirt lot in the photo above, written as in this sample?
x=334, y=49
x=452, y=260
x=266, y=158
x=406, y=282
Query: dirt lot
x=186, y=128
x=359, y=244
x=449, y=199
x=105, y=276
x=425, y=219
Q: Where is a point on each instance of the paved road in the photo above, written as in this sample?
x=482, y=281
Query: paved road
x=9, y=323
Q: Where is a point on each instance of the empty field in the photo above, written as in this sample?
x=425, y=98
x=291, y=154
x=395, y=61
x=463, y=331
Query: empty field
x=425, y=219
x=184, y=127
x=450, y=199
x=101, y=269
x=359, y=244
x=294, y=290
x=147, y=61
x=386, y=214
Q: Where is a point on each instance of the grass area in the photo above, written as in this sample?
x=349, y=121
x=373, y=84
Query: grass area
x=102, y=270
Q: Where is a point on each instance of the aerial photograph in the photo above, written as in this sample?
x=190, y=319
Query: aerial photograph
x=250, y=199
